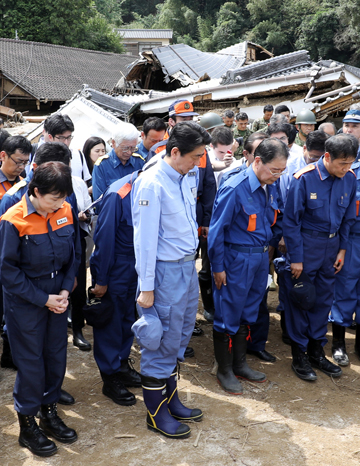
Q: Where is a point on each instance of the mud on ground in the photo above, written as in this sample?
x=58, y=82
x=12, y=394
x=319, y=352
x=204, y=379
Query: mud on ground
x=282, y=422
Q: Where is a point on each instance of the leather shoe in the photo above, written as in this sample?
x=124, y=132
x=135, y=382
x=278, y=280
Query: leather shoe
x=189, y=352
x=116, y=390
x=263, y=355
x=66, y=398
x=80, y=341
x=324, y=365
x=51, y=424
x=197, y=332
x=128, y=375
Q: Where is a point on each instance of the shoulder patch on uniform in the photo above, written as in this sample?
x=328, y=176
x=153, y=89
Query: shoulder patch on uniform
x=136, y=154
x=124, y=190
x=100, y=159
x=233, y=180
x=14, y=189
x=351, y=171
x=306, y=169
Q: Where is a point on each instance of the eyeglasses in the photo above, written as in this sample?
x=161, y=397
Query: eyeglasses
x=63, y=138
x=23, y=162
x=128, y=148
x=276, y=173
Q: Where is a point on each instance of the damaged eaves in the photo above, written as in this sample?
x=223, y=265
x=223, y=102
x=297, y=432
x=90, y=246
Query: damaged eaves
x=174, y=66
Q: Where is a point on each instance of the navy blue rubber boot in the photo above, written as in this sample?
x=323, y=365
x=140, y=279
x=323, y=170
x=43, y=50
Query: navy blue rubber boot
x=176, y=408
x=159, y=418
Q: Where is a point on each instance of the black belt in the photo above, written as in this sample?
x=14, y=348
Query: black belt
x=319, y=233
x=238, y=248
x=48, y=275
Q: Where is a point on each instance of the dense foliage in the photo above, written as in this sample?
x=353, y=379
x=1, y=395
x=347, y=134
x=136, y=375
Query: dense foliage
x=329, y=29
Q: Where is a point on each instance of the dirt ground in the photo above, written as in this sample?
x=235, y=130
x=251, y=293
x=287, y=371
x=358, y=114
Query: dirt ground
x=283, y=422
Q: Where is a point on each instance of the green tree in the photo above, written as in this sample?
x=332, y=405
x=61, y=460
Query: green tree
x=348, y=37
x=61, y=22
x=230, y=25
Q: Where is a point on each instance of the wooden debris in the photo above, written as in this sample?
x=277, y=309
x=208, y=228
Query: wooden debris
x=125, y=436
x=197, y=438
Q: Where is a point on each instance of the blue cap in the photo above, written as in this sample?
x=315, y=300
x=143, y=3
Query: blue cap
x=182, y=107
x=352, y=116
x=148, y=329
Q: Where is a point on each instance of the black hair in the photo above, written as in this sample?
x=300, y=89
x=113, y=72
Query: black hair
x=222, y=135
x=3, y=136
x=316, y=140
x=281, y=108
x=53, y=152
x=270, y=149
x=154, y=123
x=13, y=143
x=342, y=146
x=1, y=121
x=252, y=138
x=58, y=124
x=52, y=178
x=292, y=134
x=187, y=136
x=241, y=116
x=268, y=108
x=279, y=127
x=229, y=114
x=89, y=144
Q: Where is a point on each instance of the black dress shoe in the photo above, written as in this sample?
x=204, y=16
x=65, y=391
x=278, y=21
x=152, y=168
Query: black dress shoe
x=263, y=355
x=197, y=332
x=51, y=424
x=80, y=341
x=128, y=375
x=115, y=389
x=189, y=353
x=66, y=398
x=324, y=365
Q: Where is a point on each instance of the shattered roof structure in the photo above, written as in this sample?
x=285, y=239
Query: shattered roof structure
x=290, y=79
x=282, y=65
x=145, y=33
x=246, y=51
x=55, y=73
x=180, y=65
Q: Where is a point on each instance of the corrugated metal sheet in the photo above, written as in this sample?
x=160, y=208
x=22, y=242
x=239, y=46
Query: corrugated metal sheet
x=146, y=33
x=193, y=63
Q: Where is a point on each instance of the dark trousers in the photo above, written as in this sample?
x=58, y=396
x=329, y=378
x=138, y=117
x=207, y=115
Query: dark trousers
x=78, y=296
x=260, y=330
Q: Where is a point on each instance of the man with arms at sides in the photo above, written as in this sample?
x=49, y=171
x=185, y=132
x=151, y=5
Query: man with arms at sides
x=319, y=212
x=165, y=240
x=245, y=209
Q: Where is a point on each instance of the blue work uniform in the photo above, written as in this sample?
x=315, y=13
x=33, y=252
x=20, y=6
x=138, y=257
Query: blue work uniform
x=165, y=241
x=347, y=282
x=141, y=150
x=109, y=168
x=113, y=264
x=37, y=259
x=239, y=236
x=320, y=210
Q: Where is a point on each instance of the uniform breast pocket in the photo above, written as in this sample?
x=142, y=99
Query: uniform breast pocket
x=174, y=223
x=35, y=249
x=316, y=208
x=252, y=212
x=343, y=202
x=64, y=239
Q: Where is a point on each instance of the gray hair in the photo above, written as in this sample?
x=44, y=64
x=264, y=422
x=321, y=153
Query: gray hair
x=124, y=132
x=278, y=118
x=323, y=126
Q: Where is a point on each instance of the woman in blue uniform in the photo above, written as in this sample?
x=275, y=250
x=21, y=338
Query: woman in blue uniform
x=39, y=236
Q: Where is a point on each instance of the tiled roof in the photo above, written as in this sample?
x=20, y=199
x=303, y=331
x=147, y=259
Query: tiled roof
x=55, y=72
x=146, y=33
